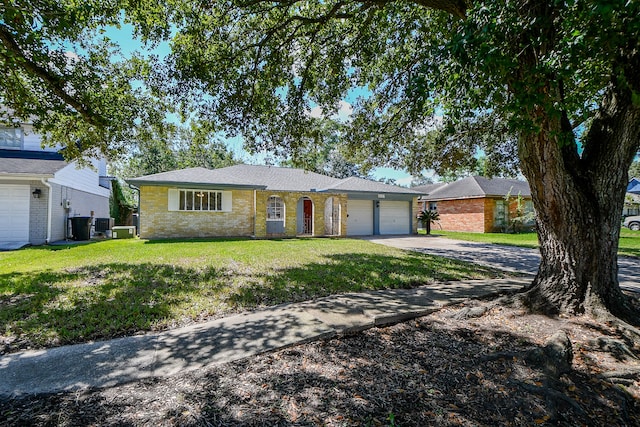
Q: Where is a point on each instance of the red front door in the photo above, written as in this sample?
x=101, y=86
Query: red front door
x=308, y=216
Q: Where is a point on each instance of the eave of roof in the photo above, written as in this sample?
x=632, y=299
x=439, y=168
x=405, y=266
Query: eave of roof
x=198, y=185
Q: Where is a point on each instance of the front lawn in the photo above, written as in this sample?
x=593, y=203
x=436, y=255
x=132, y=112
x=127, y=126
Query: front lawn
x=59, y=295
x=629, y=244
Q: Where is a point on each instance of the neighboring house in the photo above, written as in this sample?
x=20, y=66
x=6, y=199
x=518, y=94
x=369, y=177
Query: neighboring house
x=267, y=201
x=39, y=191
x=477, y=204
x=632, y=198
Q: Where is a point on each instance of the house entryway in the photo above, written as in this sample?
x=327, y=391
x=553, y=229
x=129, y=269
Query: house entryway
x=305, y=217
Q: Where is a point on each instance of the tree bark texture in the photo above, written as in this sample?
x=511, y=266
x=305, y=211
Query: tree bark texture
x=579, y=201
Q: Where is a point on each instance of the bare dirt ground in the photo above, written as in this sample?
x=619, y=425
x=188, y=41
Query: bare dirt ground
x=476, y=364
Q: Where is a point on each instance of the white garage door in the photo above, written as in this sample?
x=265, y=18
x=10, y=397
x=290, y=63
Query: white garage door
x=395, y=217
x=14, y=213
x=360, y=219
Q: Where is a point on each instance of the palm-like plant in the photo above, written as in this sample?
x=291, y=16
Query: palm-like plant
x=427, y=217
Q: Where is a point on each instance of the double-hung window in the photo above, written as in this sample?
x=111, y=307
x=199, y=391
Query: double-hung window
x=11, y=137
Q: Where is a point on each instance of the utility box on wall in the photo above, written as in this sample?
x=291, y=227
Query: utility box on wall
x=123, y=232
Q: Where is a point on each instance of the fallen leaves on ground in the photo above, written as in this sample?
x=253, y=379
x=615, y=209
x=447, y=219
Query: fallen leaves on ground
x=435, y=370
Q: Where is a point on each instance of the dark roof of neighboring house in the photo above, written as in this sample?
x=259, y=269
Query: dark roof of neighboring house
x=267, y=178
x=634, y=186
x=477, y=186
x=428, y=188
x=22, y=162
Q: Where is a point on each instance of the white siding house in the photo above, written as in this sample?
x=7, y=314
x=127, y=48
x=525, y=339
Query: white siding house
x=40, y=191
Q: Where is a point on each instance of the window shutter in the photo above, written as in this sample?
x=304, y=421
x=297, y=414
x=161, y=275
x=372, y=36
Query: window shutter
x=174, y=199
x=226, y=201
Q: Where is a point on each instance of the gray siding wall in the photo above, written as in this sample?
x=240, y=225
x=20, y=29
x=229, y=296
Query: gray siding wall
x=82, y=204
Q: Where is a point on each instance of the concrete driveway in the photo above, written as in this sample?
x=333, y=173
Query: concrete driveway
x=510, y=258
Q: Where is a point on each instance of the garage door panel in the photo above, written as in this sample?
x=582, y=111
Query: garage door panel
x=395, y=217
x=360, y=218
x=14, y=213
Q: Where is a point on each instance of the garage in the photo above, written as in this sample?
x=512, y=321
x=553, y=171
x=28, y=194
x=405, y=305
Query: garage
x=395, y=217
x=14, y=213
x=360, y=218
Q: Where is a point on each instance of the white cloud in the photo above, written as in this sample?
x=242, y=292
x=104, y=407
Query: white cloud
x=343, y=114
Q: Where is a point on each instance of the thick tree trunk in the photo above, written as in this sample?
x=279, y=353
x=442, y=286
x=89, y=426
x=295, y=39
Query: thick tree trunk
x=579, y=201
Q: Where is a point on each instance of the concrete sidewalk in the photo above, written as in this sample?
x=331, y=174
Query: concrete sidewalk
x=108, y=363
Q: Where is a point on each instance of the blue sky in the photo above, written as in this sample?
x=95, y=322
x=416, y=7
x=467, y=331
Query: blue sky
x=124, y=38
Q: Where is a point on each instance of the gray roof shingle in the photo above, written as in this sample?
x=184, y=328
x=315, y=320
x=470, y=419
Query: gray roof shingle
x=477, y=186
x=429, y=188
x=268, y=178
x=360, y=185
x=30, y=163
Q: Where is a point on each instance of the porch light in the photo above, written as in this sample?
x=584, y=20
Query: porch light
x=36, y=193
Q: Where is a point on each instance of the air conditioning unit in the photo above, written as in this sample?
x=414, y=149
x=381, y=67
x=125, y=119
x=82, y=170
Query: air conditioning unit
x=103, y=224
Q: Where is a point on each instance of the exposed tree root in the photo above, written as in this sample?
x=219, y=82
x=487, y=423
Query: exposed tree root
x=553, y=396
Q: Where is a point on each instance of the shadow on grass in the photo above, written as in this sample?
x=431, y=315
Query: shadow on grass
x=113, y=300
x=94, y=302
x=355, y=272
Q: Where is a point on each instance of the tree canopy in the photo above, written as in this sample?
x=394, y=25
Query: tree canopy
x=174, y=147
x=63, y=74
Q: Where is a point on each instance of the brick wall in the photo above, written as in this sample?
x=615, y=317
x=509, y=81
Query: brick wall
x=290, y=200
x=417, y=207
x=474, y=215
x=157, y=222
x=462, y=215
x=38, y=214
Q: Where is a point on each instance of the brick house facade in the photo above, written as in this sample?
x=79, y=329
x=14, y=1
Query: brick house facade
x=478, y=204
x=268, y=202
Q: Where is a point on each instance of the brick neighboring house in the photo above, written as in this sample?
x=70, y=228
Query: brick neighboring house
x=267, y=201
x=476, y=204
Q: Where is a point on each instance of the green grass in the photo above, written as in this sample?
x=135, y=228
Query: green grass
x=629, y=244
x=59, y=295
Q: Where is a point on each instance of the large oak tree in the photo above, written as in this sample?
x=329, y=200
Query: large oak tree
x=515, y=79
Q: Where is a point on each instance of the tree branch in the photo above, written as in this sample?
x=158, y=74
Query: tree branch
x=54, y=82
